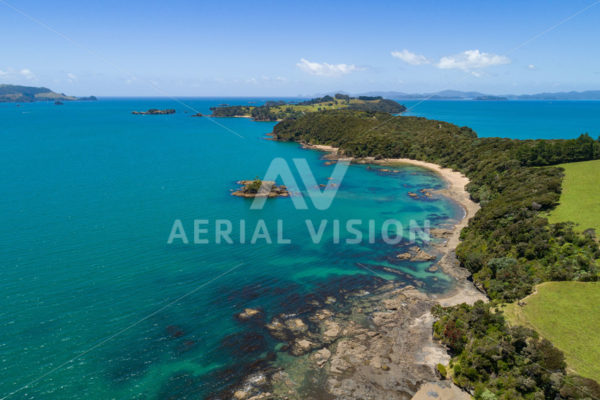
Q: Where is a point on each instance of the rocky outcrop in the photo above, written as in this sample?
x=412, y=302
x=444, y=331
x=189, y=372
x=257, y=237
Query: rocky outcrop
x=380, y=349
x=374, y=344
x=249, y=313
x=258, y=188
x=253, y=388
x=440, y=233
x=416, y=254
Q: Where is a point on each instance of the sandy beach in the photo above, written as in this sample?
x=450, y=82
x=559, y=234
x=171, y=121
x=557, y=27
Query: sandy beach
x=401, y=340
x=382, y=346
x=465, y=291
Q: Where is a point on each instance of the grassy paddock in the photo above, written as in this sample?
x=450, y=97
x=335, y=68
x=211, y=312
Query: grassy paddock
x=567, y=314
x=580, y=199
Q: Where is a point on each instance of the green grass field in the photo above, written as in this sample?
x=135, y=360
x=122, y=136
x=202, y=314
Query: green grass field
x=580, y=199
x=567, y=314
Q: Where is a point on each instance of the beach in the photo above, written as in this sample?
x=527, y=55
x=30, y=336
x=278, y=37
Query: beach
x=464, y=291
x=382, y=345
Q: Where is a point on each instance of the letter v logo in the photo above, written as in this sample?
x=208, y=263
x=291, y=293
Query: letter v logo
x=321, y=199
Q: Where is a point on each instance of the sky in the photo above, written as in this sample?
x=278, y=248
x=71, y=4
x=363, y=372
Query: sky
x=300, y=48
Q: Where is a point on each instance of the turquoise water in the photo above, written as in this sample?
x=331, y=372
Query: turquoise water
x=90, y=193
x=516, y=119
x=89, y=196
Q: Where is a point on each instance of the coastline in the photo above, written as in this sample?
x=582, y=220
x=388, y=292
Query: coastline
x=465, y=291
x=375, y=343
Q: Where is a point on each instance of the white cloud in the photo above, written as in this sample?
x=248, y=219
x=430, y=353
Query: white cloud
x=471, y=59
x=27, y=73
x=269, y=79
x=3, y=73
x=410, y=58
x=324, y=69
x=531, y=66
x=72, y=77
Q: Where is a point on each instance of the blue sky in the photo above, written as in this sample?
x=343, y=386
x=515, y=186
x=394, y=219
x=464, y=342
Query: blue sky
x=264, y=48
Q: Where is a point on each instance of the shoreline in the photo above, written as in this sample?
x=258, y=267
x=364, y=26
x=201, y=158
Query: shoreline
x=376, y=344
x=464, y=291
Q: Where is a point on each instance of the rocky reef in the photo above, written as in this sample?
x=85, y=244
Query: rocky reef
x=371, y=342
x=416, y=254
x=373, y=345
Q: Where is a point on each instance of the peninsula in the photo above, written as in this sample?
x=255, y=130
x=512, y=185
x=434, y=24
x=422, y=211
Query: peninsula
x=280, y=110
x=508, y=246
x=30, y=94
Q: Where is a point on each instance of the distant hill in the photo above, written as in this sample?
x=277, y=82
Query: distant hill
x=459, y=95
x=587, y=95
x=279, y=110
x=29, y=94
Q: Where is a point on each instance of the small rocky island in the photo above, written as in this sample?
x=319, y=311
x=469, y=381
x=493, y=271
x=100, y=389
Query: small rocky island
x=260, y=188
x=154, y=111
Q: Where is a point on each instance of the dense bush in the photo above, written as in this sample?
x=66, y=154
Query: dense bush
x=279, y=110
x=494, y=361
x=509, y=246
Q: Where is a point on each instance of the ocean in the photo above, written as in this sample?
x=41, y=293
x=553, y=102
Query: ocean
x=515, y=119
x=96, y=304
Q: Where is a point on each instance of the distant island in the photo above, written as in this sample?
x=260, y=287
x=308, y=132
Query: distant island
x=280, y=110
x=30, y=94
x=154, y=111
x=460, y=95
x=491, y=98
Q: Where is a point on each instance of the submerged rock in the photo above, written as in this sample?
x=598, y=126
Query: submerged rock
x=332, y=331
x=416, y=254
x=302, y=346
x=423, y=256
x=321, y=357
x=249, y=313
x=296, y=325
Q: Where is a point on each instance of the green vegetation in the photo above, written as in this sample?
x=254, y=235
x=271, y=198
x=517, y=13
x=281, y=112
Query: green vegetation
x=551, y=152
x=29, y=94
x=442, y=370
x=580, y=199
x=279, y=110
x=566, y=313
x=509, y=246
x=252, y=187
x=496, y=361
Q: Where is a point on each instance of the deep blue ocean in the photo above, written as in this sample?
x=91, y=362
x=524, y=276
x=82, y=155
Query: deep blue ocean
x=515, y=119
x=95, y=304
